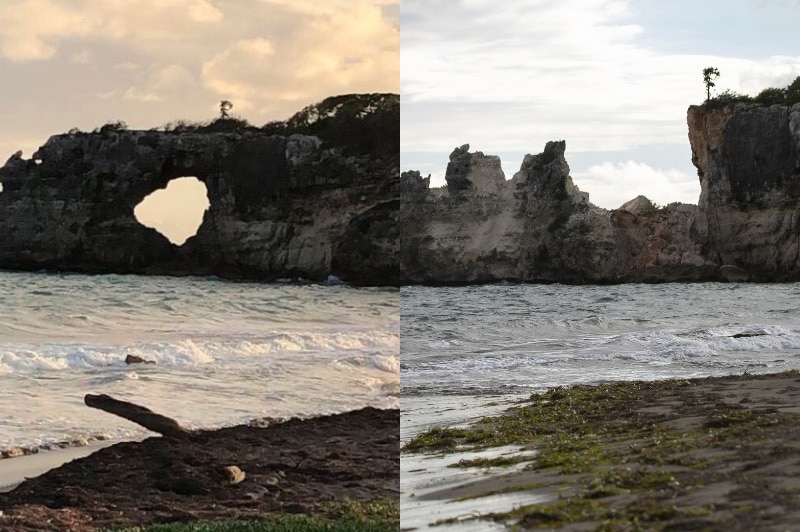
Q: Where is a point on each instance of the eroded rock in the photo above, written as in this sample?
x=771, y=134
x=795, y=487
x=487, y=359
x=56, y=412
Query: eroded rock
x=303, y=199
x=538, y=226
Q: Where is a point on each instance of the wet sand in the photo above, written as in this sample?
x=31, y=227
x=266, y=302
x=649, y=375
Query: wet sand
x=422, y=474
x=13, y=471
x=700, y=454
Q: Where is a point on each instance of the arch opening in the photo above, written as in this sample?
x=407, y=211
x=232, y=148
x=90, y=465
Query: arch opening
x=175, y=211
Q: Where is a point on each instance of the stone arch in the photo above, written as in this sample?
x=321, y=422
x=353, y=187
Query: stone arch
x=175, y=209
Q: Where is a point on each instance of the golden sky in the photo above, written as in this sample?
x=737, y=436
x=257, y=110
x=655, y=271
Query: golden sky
x=82, y=63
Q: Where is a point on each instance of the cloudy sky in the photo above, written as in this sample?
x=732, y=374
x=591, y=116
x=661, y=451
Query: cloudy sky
x=82, y=63
x=612, y=77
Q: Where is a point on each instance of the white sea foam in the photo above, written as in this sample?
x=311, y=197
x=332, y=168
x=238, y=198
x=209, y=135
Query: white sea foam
x=498, y=337
x=33, y=359
x=224, y=352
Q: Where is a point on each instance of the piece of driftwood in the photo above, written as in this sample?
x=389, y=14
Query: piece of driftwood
x=138, y=414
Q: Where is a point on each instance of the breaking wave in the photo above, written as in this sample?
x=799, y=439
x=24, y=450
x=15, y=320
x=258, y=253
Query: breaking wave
x=493, y=338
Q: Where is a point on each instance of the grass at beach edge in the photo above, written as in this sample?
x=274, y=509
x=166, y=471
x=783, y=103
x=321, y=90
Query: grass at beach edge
x=605, y=461
x=349, y=516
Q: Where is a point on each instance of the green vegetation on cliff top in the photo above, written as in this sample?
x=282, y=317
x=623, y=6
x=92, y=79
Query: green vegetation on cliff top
x=788, y=95
x=357, y=123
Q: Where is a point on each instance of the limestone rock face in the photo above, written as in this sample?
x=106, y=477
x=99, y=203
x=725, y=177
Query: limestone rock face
x=413, y=187
x=283, y=204
x=539, y=227
x=748, y=160
x=473, y=172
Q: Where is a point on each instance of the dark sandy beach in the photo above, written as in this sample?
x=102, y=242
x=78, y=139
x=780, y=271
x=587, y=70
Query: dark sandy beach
x=697, y=454
x=318, y=467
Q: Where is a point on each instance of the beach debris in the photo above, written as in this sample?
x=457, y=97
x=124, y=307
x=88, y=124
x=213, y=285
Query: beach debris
x=13, y=452
x=266, y=421
x=273, y=480
x=257, y=493
x=235, y=475
x=138, y=414
x=133, y=359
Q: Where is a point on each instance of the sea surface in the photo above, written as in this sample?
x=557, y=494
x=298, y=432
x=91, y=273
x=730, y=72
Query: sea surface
x=510, y=338
x=472, y=351
x=224, y=352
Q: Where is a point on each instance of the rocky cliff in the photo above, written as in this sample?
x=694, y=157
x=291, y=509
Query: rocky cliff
x=315, y=196
x=539, y=227
x=748, y=160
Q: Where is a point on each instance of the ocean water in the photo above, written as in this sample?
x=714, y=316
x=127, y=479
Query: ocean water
x=497, y=339
x=224, y=352
x=472, y=351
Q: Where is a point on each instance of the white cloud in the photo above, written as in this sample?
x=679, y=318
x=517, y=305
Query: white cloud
x=332, y=52
x=536, y=70
x=329, y=7
x=33, y=30
x=226, y=73
x=29, y=28
x=202, y=11
x=510, y=54
x=84, y=57
x=178, y=58
x=163, y=83
x=610, y=185
x=172, y=78
x=135, y=93
x=752, y=77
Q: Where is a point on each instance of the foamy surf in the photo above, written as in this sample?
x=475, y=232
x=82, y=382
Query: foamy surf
x=222, y=353
x=489, y=338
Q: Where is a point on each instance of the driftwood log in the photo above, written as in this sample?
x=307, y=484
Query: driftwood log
x=140, y=415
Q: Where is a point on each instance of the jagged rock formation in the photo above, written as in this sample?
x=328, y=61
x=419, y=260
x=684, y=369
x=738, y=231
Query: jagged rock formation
x=535, y=227
x=539, y=227
x=312, y=197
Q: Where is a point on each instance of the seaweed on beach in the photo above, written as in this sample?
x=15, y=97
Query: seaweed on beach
x=684, y=454
x=331, y=469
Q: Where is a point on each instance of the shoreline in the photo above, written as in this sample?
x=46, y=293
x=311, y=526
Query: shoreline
x=424, y=474
x=15, y=470
x=707, y=453
x=341, y=466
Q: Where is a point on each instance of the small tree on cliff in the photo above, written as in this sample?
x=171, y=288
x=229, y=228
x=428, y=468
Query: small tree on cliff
x=709, y=75
x=224, y=107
